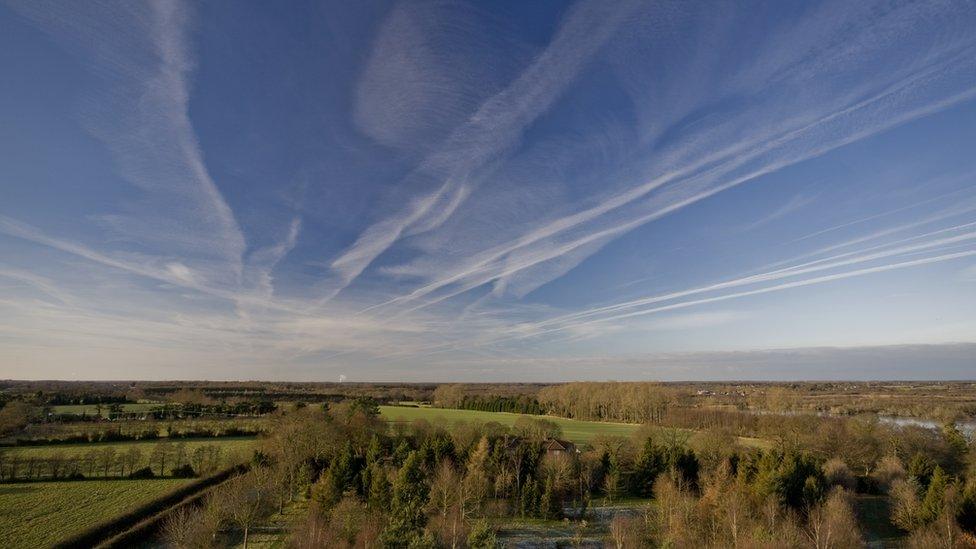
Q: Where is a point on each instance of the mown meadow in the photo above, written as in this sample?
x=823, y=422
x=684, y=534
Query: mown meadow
x=122, y=459
x=577, y=431
x=39, y=514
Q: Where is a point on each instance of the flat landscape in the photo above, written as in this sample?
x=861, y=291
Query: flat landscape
x=39, y=514
x=346, y=448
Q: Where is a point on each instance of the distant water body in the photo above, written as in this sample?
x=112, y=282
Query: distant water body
x=966, y=427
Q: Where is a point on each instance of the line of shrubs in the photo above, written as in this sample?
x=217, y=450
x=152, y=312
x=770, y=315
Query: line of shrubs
x=111, y=463
x=109, y=435
x=183, y=471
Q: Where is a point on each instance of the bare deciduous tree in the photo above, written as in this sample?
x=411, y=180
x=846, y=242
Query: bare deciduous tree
x=247, y=501
x=626, y=532
x=832, y=523
x=184, y=528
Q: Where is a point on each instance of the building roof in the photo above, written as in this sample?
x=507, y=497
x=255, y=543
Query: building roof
x=557, y=445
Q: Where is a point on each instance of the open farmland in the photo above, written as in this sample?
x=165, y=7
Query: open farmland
x=574, y=430
x=39, y=514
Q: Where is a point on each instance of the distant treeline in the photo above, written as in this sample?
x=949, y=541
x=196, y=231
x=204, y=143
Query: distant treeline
x=459, y=396
x=592, y=401
x=63, y=399
x=310, y=392
x=115, y=412
x=609, y=401
x=142, y=432
x=246, y=393
x=163, y=459
x=515, y=405
x=925, y=399
x=189, y=410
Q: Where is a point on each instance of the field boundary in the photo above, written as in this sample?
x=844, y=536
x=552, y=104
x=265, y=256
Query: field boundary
x=121, y=531
x=42, y=443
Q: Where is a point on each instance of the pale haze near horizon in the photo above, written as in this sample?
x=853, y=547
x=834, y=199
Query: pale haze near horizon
x=541, y=191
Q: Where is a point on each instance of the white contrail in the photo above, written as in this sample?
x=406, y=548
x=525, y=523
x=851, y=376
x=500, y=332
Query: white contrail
x=486, y=264
x=498, y=122
x=789, y=272
x=784, y=286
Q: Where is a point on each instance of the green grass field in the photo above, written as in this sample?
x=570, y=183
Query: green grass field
x=577, y=431
x=92, y=409
x=574, y=430
x=39, y=514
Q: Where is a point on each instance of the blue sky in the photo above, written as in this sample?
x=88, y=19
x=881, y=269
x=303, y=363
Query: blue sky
x=487, y=191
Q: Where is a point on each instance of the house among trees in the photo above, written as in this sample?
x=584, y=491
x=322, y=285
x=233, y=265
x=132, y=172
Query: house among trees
x=555, y=446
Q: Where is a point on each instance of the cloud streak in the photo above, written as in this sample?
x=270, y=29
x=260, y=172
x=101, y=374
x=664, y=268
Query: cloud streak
x=572, y=238
x=140, y=110
x=489, y=132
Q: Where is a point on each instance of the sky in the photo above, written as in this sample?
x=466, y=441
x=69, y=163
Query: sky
x=487, y=191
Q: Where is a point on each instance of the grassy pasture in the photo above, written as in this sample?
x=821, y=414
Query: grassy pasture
x=39, y=514
x=577, y=431
x=92, y=409
x=574, y=430
x=227, y=444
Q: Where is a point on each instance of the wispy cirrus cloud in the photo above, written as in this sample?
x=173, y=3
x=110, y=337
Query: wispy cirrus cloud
x=950, y=244
x=936, y=247
x=140, y=110
x=182, y=226
x=43, y=284
x=702, y=163
x=485, y=133
x=793, y=205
